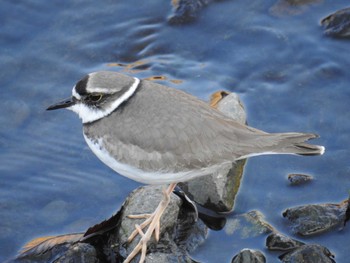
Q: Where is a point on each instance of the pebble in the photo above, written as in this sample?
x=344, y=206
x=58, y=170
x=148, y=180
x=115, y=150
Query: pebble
x=298, y=179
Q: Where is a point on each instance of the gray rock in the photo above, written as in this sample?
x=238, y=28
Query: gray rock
x=309, y=254
x=249, y=256
x=337, y=24
x=142, y=201
x=180, y=234
x=277, y=241
x=159, y=257
x=313, y=219
x=298, y=179
x=79, y=253
x=218, y=191
x=232, y=107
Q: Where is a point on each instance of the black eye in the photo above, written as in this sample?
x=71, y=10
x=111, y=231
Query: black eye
x=94, y=98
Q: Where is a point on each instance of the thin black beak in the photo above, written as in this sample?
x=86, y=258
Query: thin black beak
x=62, y=104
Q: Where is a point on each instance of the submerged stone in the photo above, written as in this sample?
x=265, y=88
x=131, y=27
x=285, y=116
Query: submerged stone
x=298, y=179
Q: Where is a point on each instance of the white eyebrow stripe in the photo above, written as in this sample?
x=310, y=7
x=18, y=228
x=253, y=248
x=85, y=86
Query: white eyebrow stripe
x=75, y=94
x=88, y=114
x=98, y=90
x=124, y=97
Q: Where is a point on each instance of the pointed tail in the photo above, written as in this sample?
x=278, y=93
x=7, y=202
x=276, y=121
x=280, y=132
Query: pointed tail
x=285, y=143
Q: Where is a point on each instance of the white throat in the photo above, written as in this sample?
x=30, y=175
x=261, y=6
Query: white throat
x=88, y=114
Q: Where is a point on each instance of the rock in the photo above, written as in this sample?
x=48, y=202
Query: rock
x=180, y=234
x=79, y=253
x=56, y=212
x=159, y=257
x=277, y=241
x=218, y=191
x=298, y=179
x=309, y=254
x=230, y=105
x=144, y=200
x=337, y=24
x=250, y=224
x=64, y=252
x=312, y=219
x=249, y=256
x=190, y=231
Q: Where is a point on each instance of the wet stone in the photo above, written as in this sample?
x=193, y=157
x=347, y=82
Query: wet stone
x=218, y=191
x=308, y=253
x=249, y=256
x=337, y=24
x=313, y=219
x=298, y=179
x=277, y=241
x=58, y=208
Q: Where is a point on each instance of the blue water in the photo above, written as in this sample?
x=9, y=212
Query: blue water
x=289, y=76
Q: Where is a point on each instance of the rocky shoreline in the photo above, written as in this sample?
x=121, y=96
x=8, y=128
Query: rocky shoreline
x=182, y=230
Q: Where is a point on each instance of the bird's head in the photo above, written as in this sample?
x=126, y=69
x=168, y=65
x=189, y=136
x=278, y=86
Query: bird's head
x=98, y=94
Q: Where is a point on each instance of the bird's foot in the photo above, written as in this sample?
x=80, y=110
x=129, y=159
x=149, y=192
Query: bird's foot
x=153, y=223
x=138, y=228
